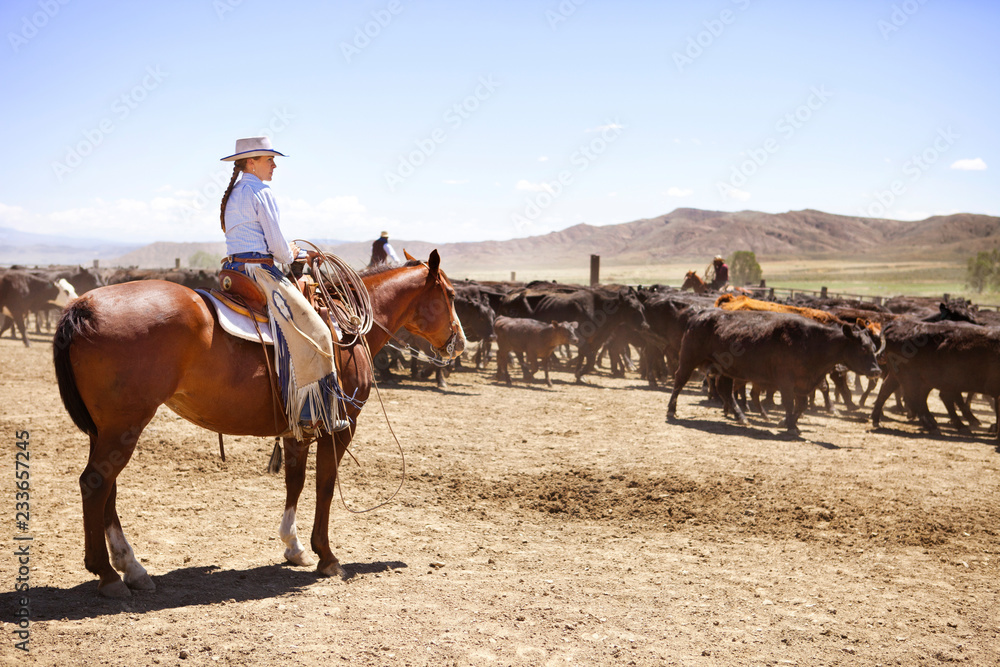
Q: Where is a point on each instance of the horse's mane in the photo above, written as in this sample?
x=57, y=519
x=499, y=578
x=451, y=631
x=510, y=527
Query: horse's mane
x=382, y=268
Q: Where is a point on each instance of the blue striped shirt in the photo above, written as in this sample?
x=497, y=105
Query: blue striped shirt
x=252, y=221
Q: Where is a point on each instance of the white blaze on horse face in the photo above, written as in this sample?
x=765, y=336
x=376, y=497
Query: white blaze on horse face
x=123, y=559
x=294, y=551
x=456, y=325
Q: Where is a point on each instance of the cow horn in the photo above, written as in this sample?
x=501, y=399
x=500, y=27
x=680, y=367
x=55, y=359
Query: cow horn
x=881, y=337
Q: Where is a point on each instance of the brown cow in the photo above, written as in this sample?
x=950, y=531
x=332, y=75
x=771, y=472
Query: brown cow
x=533, y=339
x=741, y=302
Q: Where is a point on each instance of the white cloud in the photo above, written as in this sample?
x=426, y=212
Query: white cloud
x=532, y=187
x=180, y=216
x=969, y=164
x=729, y=192
x=679, y=192
x=543, y=158
x=455, y=182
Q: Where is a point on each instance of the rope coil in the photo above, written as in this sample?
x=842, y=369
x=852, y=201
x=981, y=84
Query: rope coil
x=350, y=304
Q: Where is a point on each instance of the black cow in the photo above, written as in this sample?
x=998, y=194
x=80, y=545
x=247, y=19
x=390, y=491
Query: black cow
x=472, y=305
x=668, y=315
x=23, y=292
x=787, y=352
x=952, y=357
x=597, y=312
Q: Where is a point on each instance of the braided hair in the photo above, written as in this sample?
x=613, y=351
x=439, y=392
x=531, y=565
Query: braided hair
x=238, y=167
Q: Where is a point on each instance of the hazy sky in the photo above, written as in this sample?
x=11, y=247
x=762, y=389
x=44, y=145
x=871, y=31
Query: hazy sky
x=490, y=120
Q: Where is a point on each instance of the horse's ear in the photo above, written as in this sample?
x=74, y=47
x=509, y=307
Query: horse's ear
x=408, y=255
x=434, y=262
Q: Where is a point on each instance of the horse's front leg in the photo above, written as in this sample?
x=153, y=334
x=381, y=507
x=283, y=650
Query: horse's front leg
x=296, y=456
x=329, y=450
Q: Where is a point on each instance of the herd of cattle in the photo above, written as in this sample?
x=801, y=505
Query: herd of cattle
x=746, y=347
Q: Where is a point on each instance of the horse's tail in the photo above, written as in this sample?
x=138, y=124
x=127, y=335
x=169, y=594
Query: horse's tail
x=76, y=320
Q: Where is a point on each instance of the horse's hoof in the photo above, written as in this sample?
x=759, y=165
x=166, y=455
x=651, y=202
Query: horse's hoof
x=300, y=557
x=331, y=569
x=116, y=589
x=141, y=583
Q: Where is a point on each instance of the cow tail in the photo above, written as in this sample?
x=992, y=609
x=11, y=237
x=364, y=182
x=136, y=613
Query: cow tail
x=76, y=320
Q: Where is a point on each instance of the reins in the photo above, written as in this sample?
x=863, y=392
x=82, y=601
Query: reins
x=403, y=346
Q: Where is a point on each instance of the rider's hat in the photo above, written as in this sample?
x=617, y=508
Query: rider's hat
x=252, y=147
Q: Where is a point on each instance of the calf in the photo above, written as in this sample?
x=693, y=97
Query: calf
x=533, y=339
x=790, y=353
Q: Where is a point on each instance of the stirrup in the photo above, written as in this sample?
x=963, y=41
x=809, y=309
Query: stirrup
x=340, y=425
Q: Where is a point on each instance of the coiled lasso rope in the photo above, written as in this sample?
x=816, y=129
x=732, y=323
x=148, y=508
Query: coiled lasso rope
x=352, y=306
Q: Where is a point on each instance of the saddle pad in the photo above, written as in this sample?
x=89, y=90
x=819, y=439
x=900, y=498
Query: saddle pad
x=236, y=324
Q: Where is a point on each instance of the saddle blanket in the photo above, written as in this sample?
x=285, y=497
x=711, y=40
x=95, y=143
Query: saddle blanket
x=234, y=323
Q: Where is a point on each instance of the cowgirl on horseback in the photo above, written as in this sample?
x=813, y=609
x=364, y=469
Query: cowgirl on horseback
x=303, y=341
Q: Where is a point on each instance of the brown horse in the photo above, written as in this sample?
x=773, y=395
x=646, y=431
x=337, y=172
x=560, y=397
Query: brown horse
x=692, y=281
x=122, y=351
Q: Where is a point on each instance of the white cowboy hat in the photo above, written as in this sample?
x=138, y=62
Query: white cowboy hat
x=384, y=235
x=252, y=147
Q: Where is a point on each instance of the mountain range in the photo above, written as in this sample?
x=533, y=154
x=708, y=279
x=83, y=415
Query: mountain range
x=685, y=233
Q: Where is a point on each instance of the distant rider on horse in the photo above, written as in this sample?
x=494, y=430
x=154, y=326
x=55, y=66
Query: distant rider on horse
x=721, y=273
x=382, y=252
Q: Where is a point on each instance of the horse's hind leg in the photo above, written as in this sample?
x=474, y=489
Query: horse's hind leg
x=122, y=556
x=108, y=456
x=296, y=455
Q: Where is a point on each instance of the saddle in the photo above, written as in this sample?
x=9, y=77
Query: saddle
x=243, y=295
x=240, y=293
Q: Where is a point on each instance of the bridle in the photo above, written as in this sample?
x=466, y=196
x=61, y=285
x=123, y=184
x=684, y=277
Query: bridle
x=449, y=346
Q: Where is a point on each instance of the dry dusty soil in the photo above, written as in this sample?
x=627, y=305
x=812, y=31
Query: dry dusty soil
x=536, y=526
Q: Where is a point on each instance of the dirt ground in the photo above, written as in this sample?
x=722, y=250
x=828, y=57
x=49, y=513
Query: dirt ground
x=536, y=526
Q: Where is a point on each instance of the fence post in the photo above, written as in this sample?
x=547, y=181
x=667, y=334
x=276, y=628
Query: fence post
x=513, y=276
x=822, y=292
x=595, y=270
x=177, y=262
